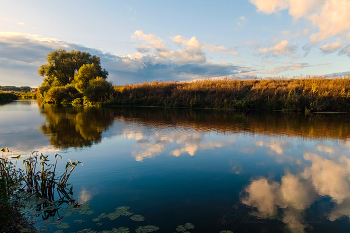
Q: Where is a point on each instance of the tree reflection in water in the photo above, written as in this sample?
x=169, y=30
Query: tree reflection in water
x=75, y=127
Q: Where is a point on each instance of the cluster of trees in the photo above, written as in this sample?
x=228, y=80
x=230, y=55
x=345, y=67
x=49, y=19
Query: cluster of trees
x=73, y=77
x=14, y=88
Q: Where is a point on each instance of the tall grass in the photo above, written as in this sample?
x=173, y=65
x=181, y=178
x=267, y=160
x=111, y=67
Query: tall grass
x=313, y=94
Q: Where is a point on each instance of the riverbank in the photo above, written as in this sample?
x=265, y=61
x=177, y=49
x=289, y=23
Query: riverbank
x=309, y=94
x=8, y=97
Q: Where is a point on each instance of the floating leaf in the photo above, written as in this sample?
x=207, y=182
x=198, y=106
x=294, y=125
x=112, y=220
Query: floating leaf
x=180, y=228
x=103, y=215
x=189, y=226
x=96, y=219
x=146, y=229
x=79, y=221
x=137, y=218
x=121, y=230
x=42, y=228
x=63, y=226
x=226, y=232
x=113, y=216
x=99, y=224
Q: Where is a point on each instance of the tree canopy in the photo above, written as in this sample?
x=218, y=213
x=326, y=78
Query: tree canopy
x=68, y=75
x=62, y=66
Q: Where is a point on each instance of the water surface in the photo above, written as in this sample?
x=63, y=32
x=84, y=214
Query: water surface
x=218, y=170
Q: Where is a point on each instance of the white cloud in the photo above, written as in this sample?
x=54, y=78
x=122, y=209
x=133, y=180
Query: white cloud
x=4, y=19
x=270, y=6
x=334, y=19
x=20, y=23
x=210, y=47
x=331, y=17
x=331, y=47
x=281, y=48
x=22, y=54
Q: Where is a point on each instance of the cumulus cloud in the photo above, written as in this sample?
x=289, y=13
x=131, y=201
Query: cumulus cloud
x=210, y=47
x=270, y=6
x=281, y=48
x=331, y=17
x=330, y=47
x=21, y=55
x=334, y=19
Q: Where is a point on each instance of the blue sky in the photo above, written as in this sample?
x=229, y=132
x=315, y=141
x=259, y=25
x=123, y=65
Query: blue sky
x=178, y=40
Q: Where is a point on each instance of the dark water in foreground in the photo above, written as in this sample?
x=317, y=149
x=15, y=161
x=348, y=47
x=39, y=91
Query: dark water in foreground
x=216, y=170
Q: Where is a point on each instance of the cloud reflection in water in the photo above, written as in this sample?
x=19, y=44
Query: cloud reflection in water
x=295, y=193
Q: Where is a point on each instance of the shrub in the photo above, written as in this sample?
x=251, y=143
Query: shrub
x=99, y=90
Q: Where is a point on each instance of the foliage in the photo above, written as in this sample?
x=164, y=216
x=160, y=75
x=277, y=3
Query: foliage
x=98, y=90
x=67, y=74
x=7, y=97
x=58, y=94
x=315, y=94
x=61, y=66
x=77, y=102
x=85, y=74
x=26, y=96
x=15, y=89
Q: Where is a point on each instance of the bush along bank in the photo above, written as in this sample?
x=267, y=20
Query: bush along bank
x=7, y=97
x=309, y=94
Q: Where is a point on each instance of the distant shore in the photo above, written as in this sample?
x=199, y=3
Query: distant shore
x=8, y=97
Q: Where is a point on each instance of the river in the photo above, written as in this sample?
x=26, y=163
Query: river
x=218, y=170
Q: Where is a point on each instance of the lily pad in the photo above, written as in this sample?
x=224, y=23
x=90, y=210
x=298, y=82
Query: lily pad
x=79, y=221
x=189, y=226
x=146, y=229
x=137, y=218
x=180, y=228
x=121, y=230
x=63, y=226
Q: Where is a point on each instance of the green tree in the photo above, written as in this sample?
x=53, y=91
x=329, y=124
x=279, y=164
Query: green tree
x=98, y=90
x=86, y=73
x=61, y=66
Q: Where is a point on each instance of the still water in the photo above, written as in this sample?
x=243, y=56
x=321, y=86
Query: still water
x=218, y=170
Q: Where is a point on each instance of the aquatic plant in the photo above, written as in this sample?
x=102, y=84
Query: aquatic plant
x=120, y=230
x=34, y=188
x=137, y=218
x=185, y=227
x=62, y=226
x=79, y=221
x=146, y=229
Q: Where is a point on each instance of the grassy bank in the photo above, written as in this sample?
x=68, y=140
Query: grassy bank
x=309, y=94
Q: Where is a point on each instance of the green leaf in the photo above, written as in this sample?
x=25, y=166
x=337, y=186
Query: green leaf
x=16, y=157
